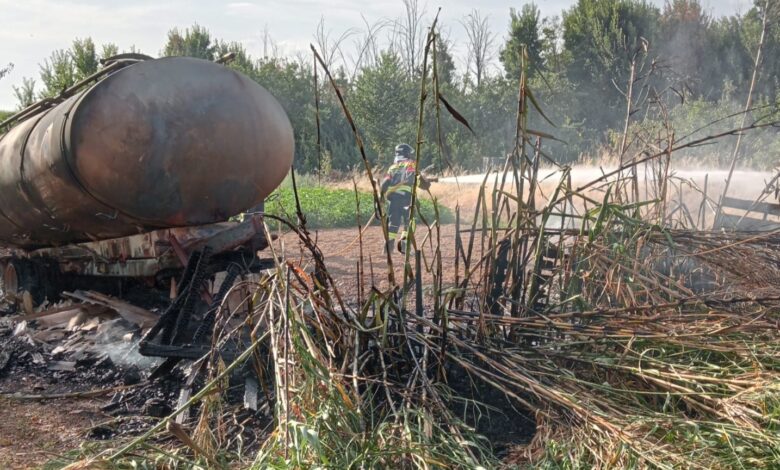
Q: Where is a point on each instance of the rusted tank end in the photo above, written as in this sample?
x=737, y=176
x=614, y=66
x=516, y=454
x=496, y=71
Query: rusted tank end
x=158, y=144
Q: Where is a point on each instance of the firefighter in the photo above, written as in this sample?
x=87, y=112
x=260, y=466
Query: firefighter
x=397, y=191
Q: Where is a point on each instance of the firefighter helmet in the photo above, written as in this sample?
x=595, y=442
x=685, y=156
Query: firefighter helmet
x=404, y=150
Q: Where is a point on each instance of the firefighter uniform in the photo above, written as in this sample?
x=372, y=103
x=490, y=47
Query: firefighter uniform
x=397, y=189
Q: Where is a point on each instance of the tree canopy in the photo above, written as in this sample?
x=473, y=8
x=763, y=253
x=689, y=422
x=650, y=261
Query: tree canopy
x=679, y=62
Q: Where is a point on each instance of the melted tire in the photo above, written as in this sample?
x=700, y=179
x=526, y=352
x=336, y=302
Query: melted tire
x=40, y=278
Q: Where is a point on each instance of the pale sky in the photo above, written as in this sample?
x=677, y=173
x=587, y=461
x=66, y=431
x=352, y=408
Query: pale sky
x=32, y=29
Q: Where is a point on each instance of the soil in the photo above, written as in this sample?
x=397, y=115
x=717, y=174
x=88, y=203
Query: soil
x=37, y=424
x=33, y=432
x=341, y=249
x=492, y=414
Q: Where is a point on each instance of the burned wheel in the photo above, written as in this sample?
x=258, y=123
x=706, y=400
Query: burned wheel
x=10, y=280
x=3, y=288
x=20, y=276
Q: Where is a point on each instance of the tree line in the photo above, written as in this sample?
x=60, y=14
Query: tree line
x=597, y=69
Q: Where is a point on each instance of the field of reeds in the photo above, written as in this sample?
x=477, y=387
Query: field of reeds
x=599, y=326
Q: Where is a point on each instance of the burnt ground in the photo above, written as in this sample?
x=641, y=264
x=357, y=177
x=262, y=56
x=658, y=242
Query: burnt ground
x=36, y=431
x=36, y=425
x=342, y=251
x=47, y=413
x=32, y=433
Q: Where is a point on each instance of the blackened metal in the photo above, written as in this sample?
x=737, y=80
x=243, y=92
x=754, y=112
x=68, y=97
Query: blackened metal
x=168, y=318
x=202, y=334
x=191, y=352
x=544, y=273
x=174, y=325
x=127, y=56
x=208, y=320
x=192, y=297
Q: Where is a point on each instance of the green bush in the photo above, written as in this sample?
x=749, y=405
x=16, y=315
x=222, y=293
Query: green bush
x=697, y=119
x=335, y=208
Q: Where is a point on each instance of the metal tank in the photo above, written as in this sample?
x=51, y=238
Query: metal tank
x=145, y=145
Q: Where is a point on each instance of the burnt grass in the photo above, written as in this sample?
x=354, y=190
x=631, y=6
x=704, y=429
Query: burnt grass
x=490, y=412
x=479, y=405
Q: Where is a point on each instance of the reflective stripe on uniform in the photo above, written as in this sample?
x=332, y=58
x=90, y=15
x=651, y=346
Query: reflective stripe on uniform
x=400, y=188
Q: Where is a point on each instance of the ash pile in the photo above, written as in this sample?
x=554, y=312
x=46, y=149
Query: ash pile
x=143, y=362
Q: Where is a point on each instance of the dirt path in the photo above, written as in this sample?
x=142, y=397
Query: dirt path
x=342, y=251
x=33, y=433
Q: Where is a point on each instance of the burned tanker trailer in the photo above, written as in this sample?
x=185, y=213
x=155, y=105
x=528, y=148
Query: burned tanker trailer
x=127, y=173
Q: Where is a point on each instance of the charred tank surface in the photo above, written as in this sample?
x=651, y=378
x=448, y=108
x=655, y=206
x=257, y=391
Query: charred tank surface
x=156, y=144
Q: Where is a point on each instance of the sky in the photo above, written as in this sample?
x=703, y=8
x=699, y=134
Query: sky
x=32, y=29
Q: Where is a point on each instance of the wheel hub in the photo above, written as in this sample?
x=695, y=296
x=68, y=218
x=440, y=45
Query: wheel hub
x=10, y=281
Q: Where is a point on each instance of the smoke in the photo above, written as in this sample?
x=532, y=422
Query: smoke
x=745, y=183
x=686, y=185
x=119, y=339
x=126, y=355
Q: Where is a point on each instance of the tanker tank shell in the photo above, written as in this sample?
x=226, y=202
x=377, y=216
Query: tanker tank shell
x=161, y=143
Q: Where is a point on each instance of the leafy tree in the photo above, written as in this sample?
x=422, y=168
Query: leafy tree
x=445, y=64
x=291, y=83
x=769, y=80
x=25, y=94
x=3, y=72
x=292, y=86
x=194, y=42
x=490, y=109
x=84, y=57
x=66, y=67
x=240, y=61
x=6, y=70
x=108, y=50
x=602, y=37
x=57, y=73
x=552, y=54
x=729, y=61
x=684, y=40
x=383, y=104
x=524, y=30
